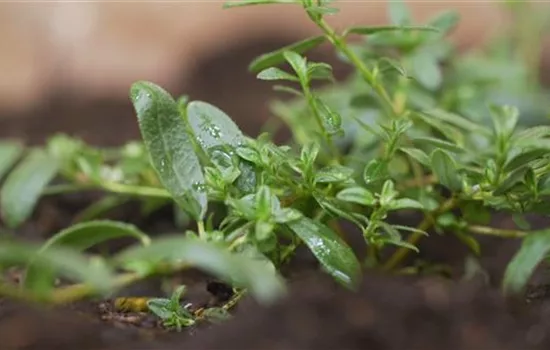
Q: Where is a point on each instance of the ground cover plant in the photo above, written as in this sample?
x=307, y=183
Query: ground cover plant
x=417, y=127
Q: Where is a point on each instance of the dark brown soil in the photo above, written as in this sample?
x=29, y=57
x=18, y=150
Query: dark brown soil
x=387, y=312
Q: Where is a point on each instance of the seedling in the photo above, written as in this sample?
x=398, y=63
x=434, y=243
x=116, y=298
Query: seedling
x=417, y=127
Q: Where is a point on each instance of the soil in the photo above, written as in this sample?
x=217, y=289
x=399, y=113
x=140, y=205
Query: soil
x=387, y=312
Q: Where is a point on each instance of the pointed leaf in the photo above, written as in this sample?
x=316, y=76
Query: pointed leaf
x=445, y=169
x=399, y=12
x=362, y=30
x=24, y=185
x=333, y=253
x=357, y=195
x=449, y=146
x=534, y=248
x=170, y=147
x=212, y=127
x=417, y=154
x=274, y=73
x=241, y=3
x=276, y=57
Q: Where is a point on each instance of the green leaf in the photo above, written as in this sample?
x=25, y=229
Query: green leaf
x=333, y=174
x=425, y=68
x=238, y=269
x=212, y=127
x=531, y=134
x=357, y=195
x=445, y=169
x=362, y=30
x=388, y=193
x=405, y=203
x=10, y=151
x=322, y=10
x=170, y=147
x=445, y=21
x=331, y=120
x=386, y=63
x=534, y=248
x=299, y=65
x=241, y=3
x=78, y=237
x=504, y=119
x=263, y=202
x=333, y=253
x=277, y=57
x=319, y=71
x=63, y=261
x=274, y=73
x=24, y=185
x=438, y=143
x=374, y=171
x=450, y=132
x=309, y=153
x=417, y=155
x=525, y=158
x=287, y=89
x=399, y=12
x=457, y=121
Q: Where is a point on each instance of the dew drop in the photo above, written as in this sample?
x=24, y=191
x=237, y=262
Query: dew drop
x=199, y=187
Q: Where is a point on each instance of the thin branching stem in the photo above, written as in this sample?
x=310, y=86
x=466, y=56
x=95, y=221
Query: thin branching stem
x=413, y=239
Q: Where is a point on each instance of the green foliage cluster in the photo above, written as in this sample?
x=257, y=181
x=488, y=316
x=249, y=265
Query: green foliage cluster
x=417, y=127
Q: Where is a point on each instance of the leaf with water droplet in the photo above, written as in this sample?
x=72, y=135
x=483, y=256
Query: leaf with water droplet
x=336, y=257
x=213, y=126
x=170, y=146
x=331, y=120
x=219, y=138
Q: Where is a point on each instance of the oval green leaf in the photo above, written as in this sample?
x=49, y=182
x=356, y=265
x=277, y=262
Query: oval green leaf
x=24, y=185
x=212, y=126
x=240, y=270
x=277, y=57
x=444, y=167
x=79, y=238
x=170, y=147
x=336, y=257
x=533, y=250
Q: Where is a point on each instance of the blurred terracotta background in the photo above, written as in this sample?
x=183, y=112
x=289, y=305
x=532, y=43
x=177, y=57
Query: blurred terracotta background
x=67, y=66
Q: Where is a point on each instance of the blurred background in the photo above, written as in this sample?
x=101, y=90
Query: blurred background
x=67, y=66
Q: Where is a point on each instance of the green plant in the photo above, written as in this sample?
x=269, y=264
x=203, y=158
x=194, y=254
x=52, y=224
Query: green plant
x=417, y=127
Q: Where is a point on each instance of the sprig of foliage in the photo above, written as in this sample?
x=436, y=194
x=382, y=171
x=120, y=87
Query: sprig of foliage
x=417, y=127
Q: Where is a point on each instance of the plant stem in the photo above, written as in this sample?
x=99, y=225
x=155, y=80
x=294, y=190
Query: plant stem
x=340, y=44
x=200, y=228
x=490, y=231
x=78, y=291
x=413, y=239
x=16, y=293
